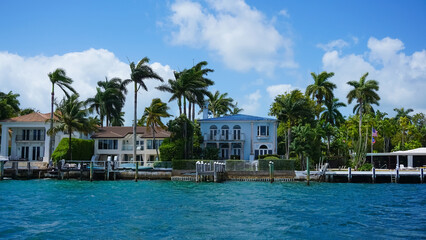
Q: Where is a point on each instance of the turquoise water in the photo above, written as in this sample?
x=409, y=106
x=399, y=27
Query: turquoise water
x=51, y=209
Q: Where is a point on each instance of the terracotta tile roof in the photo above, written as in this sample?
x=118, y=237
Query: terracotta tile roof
x=32, y=117
x=121, y=132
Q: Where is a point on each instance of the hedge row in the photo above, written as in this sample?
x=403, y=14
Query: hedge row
x=81, y=149
x=278, y=165
x=162, y=164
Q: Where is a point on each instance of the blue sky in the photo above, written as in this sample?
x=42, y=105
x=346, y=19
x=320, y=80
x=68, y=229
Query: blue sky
x=257, y=48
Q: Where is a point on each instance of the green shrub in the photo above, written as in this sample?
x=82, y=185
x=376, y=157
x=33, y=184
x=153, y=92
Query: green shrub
x=366, y=167
x=81, y=149
x=271, y=158
x=171, y=150
x=279, y=164
x=162, y=164
x=269, y=155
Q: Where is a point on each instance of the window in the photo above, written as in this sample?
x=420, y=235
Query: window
x=24, y=152
x=36, y=153
x=262, y=151
x=107, y=144
x=237, y=132
x=150, y=144
x=213, y=132
x=225, y=132
x=263, y=131
x=25, y=134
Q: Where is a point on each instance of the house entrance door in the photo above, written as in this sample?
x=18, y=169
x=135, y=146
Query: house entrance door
x=225, y=153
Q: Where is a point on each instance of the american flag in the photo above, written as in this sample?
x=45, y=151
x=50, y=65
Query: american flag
x=374, y=132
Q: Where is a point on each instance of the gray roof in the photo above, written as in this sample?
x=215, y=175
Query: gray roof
x=237, y=117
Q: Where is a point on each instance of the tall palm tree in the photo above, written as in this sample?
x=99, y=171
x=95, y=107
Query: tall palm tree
x=365, y=93
x=70, y=117
x=176, y=88
x=109, y=100
x=322, y=88
x=220, y=104
x=204, y=84
x=401, y=112
x=60, y=79
x=292, y=108
x=152, y=116
x=333, y=116
x=139, y=73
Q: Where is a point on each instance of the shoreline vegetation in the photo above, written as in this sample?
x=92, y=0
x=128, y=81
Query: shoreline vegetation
x=310, y=123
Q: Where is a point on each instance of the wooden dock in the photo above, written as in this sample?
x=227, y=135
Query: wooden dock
x=377, y=176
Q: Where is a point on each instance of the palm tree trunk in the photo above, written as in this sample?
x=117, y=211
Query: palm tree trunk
x=189, y=110
x=184, y=106
x=360, y=120
x=69, y=146
x=51, y=125
x=135, y=122
x=193, y=112
x=180, y=105
x=328, y=144
x=288, y=142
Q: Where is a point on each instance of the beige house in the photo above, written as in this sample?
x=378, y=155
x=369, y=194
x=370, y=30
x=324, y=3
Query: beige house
x=117, y=142
x=26, y=135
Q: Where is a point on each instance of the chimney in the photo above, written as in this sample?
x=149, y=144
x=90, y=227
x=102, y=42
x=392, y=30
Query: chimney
x=206, y=109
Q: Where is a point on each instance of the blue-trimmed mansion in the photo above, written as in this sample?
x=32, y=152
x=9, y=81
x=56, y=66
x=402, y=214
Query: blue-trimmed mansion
x=240, y=136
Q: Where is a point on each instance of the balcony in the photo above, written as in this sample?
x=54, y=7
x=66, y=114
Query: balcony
x=40, y=138
x=229, y=137
x=130, y=148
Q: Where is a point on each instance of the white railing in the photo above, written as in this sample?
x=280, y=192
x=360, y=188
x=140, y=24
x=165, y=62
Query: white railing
x=228, y=137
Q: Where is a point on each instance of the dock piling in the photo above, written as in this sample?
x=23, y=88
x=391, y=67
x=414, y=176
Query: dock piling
x=136, y=171
x=422, y=175
x=349, y=174
x=271, y=171
x=91, y=171
x=373, y=175
x=1, y=170
x=397, y=175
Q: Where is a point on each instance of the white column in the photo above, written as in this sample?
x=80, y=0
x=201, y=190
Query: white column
x=410, y=161
x=4, y=141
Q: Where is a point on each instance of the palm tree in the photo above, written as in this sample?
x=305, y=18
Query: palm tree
x=236, y=110
x=118, y=121
x=70, y=117
x=220, y=104
x=292, y=108
x=401, y=112
x=9, y=105
x=205, y=83
x=109, y=100
x=139, y=73
x=176, y=88
x=321, y=89
x=59, y=78
x=152, y=116
x=332, y=115
x=365, y=94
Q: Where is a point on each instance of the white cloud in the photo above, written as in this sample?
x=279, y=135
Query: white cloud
x=335, y=44
x=401, y=78
x=28, y=77
x=238, y=33
x=284, y=13
x=275, y=90
x=251, y=104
